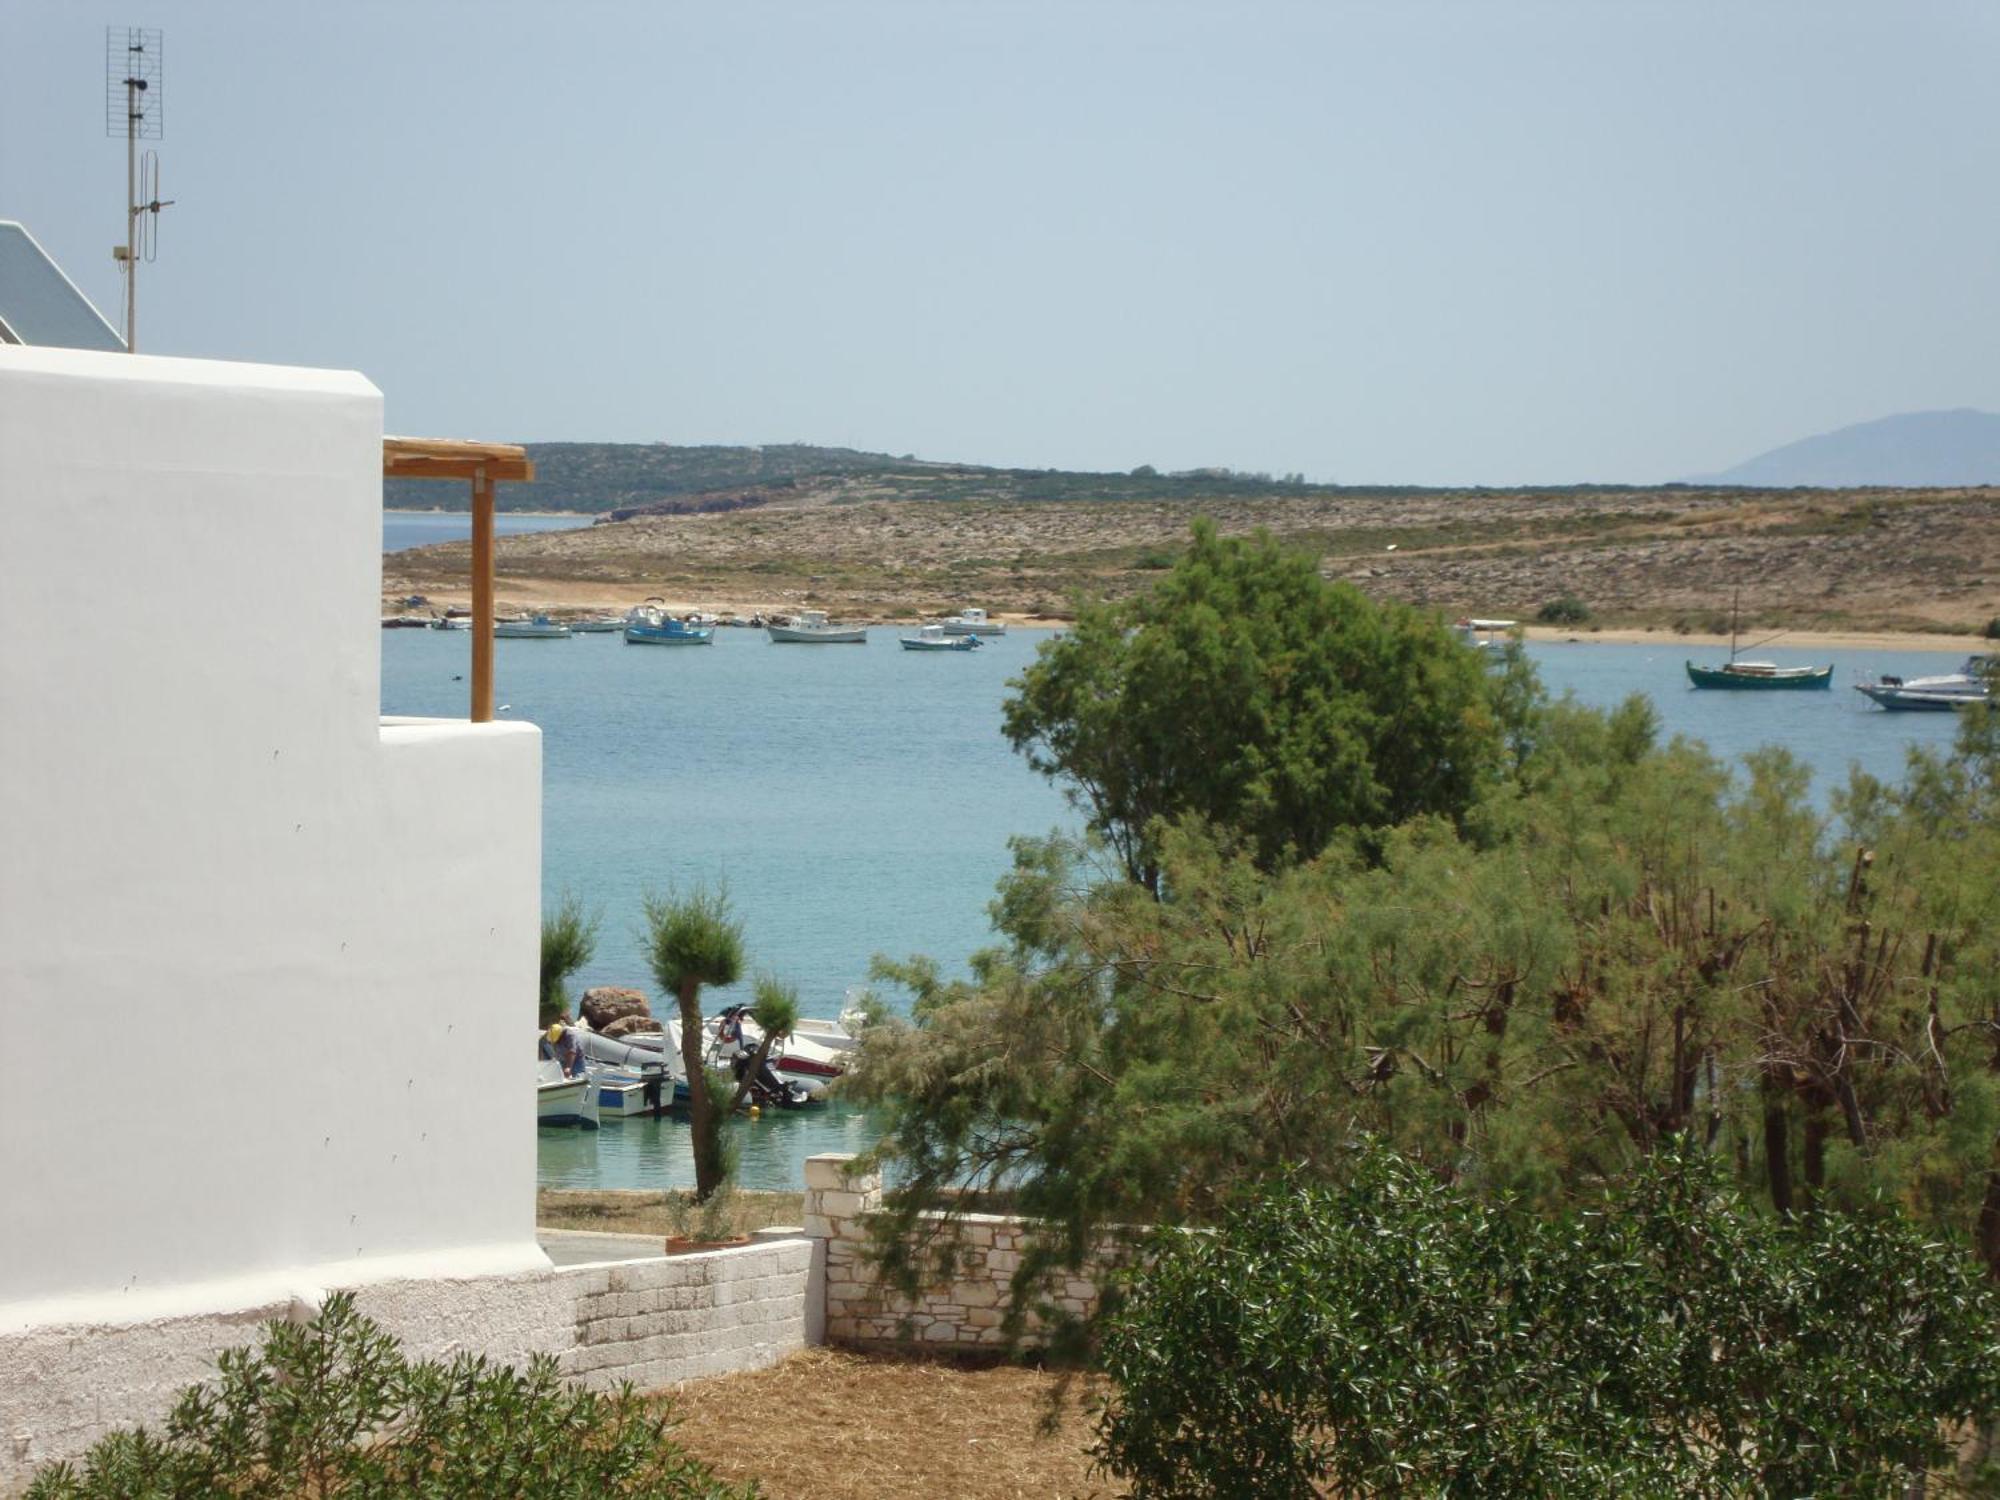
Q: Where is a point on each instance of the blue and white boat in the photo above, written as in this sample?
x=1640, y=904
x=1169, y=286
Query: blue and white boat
x=649, y=624
x=935, y=638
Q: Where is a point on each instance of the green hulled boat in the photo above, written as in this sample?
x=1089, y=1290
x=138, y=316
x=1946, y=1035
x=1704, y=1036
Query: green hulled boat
x=1759, y=674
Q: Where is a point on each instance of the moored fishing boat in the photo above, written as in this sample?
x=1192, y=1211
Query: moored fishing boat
x=1756, y=674
x=452, y=622
x=533, y=628
x=1945, y=693
x=811, y=627
x=1759, y=674
x=560, y=1100
x=597, y=625
x=934, y=638
x=650, y=624
x=970, y=621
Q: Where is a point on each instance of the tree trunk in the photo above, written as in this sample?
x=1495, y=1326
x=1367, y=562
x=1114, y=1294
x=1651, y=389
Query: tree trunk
x=1814, y=1152
x=1777, y=1149
x=703, y=1133
x=1988, y=1231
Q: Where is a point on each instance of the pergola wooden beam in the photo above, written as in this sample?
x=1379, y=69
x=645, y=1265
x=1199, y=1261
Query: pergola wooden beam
x=485, y=465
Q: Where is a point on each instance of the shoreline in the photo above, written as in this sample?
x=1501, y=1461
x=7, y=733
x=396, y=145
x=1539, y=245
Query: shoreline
x=525, y=596
x=1790, y=640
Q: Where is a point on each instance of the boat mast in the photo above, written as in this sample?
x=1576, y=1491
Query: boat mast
x=1735, y=598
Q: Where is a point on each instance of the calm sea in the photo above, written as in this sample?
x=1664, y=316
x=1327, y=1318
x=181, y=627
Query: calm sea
x=858, y=800
x=403, y=529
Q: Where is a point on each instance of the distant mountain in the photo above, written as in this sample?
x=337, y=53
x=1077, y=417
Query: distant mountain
x=1920, y=448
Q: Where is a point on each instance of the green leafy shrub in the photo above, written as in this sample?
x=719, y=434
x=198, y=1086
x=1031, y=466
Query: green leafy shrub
x=569, y=939
x=1568, y=610
x=1993, y=629
x=331, y=1408
x=1395, y=1336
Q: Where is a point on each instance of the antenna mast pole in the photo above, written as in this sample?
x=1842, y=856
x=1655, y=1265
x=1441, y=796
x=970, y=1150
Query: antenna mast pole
x=133, y=108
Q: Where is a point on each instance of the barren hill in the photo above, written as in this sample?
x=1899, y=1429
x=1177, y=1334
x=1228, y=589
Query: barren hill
x=1877, y=559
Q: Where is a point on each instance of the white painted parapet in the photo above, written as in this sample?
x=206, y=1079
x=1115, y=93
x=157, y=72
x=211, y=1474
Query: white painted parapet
x=266, y=963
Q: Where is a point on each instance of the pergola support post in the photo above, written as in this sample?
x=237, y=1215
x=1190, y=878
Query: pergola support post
x=482, y=597
x=486, y=465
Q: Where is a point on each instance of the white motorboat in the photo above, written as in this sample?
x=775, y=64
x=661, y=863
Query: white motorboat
x=970, y=621
x=1485, y=634
x=934, y=637
x=563, y=1101
x=452, y=622
x=624, y=1094
x=811, y=627
x=533, y=628
x=816, y=1053
x=596, y=625
x=1971, y=683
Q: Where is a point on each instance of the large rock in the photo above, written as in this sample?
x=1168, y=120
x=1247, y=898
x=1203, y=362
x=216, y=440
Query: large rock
x=625, y=1025
x=605, y=1004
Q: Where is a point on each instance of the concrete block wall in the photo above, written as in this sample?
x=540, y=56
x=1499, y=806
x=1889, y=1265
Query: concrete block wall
x=965, y=1312
x=658, y=1322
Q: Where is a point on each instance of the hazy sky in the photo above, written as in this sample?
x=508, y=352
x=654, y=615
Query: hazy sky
x=1517, y=240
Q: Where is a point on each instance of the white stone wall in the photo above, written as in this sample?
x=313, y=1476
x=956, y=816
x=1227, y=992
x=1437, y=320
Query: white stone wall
x=653, y=1323
x=965, y=1312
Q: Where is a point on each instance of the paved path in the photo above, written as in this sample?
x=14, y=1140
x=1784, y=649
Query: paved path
x=579, y=1247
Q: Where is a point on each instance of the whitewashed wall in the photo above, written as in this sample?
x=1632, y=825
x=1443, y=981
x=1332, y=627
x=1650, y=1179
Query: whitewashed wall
x=266, y=963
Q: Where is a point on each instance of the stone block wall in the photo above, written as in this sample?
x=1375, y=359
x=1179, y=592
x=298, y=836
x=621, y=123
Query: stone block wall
x=965, y=1312
x=658, y=1322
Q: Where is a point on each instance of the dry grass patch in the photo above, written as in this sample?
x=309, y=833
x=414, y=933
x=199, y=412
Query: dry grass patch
x=828, y=1424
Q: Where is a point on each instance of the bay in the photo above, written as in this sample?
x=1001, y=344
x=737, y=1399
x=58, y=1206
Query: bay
x=859, y=799
x=404, y=529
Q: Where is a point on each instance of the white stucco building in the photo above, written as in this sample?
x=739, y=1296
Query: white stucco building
x=266, y=960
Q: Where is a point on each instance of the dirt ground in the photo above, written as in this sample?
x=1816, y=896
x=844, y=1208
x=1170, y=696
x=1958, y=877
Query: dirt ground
x=616, y=1211
x=831, y=1425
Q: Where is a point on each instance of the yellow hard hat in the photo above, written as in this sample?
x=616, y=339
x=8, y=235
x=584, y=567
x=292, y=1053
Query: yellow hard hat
x=556, y=1031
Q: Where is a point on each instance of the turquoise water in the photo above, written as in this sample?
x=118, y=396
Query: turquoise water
x=858, y=800
x=402, y=529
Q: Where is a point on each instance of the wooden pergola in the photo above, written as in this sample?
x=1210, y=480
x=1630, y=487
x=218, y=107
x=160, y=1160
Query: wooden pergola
x=486, y=465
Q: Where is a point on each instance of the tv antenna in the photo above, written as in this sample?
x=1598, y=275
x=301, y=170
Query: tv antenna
x=135, y=107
